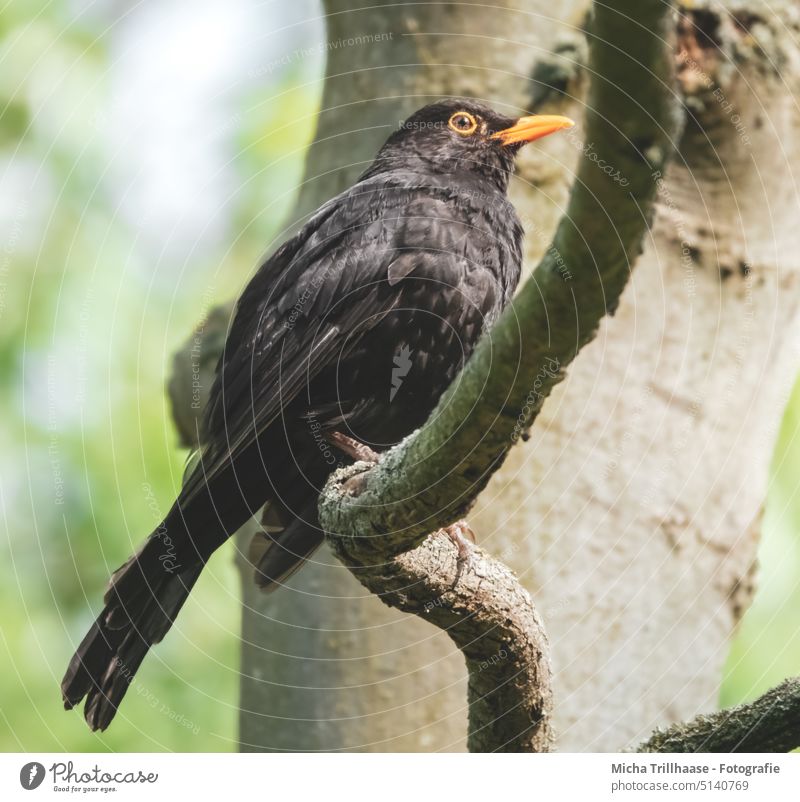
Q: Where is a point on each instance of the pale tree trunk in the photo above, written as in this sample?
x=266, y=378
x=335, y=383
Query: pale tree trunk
x=641, y=489
x=632, y=514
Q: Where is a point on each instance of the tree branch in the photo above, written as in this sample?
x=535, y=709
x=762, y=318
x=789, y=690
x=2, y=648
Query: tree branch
x=771, y=723
x=434, y=476
x=492, y=620
x=378, y=517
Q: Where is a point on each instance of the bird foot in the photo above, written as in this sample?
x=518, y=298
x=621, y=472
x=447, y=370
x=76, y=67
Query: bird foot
x=352, y=447
x=463, y=538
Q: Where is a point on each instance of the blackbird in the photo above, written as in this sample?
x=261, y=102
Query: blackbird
x=340, y=346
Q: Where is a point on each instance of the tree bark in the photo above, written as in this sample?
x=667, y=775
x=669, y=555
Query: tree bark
x=632, y=514
x=378, y=517
x=771, y=723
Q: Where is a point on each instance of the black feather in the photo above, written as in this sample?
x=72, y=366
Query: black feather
x=356, y=324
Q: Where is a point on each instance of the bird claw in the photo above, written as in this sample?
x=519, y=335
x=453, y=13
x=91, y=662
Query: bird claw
x=463, y=538
x=353, y=448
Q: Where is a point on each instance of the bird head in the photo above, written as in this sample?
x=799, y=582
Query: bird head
x=460, y=135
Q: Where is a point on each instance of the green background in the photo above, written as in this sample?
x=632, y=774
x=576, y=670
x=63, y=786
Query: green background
x=101, y=279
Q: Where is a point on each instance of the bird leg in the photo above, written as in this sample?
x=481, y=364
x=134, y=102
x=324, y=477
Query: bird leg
x=463, y=538
x=352, y=447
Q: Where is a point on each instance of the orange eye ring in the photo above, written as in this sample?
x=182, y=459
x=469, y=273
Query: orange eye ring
x=463, y=123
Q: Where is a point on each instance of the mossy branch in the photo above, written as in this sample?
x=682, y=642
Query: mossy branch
x=378, y=518
x=771, y=723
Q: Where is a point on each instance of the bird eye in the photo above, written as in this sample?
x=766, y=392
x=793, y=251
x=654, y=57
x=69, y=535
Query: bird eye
x=462, y=122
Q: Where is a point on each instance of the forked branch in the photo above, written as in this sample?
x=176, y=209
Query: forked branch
x=378, y=518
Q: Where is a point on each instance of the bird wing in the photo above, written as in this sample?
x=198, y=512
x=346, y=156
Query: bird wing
x=320, y=293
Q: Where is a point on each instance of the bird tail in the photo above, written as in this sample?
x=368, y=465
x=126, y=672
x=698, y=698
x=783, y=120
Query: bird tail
x=279, y=555
x=143, y=598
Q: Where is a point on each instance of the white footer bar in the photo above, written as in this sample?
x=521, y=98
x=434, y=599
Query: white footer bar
x=394, y=778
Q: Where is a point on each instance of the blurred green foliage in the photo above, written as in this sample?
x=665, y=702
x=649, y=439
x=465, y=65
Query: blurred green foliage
x=766, y=648
x=90, y=315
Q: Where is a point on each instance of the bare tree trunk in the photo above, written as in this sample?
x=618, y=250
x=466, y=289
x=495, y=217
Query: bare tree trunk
x=632, y=514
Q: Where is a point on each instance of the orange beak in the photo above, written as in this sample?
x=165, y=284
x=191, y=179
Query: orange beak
x=526, y=129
